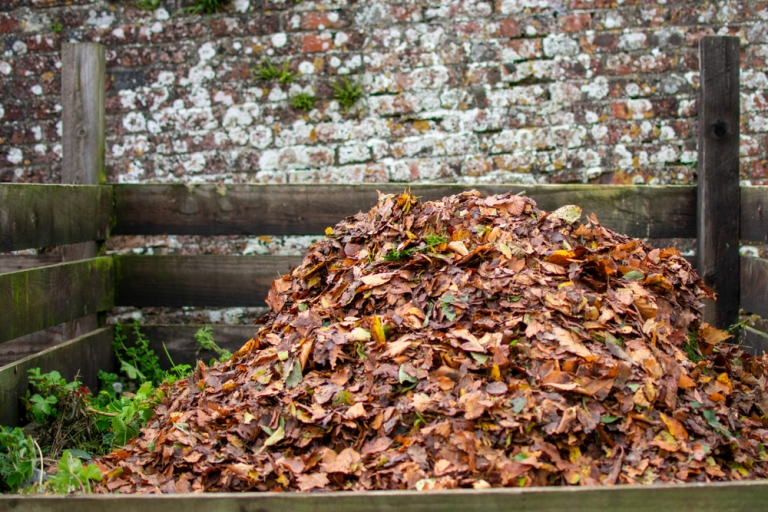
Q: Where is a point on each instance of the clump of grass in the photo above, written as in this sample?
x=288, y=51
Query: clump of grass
x=346, y=92
x=147, y=5
x=206, y=6
x=303, y=101
x=56, y=27
x=691, y=348
x=268, y=71
x=205, y=341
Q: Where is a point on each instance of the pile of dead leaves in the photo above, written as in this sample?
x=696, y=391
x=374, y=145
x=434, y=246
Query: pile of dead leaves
x=469, y=342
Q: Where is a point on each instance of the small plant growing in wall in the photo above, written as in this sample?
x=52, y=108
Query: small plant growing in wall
x=147, y=5
x=268, y=71
x=346, y=92
x=56, y=27
x=206, y=6
x=303, y=101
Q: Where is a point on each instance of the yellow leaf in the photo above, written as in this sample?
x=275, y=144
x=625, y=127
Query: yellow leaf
x=712, y=335
x=329, y=231
x=496, y=373
x=377, y=330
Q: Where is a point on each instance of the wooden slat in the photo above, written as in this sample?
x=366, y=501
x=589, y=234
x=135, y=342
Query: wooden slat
x=85, y=355
x=181, y=344
x=652, y=212
x=753, y=341
x=30, y=344
x=16, y=262
x=207, y=280
x=753, y=296
x=31, y=300
x=42, y=215
x=717, y=228
x=706, y=497
x=754, y=214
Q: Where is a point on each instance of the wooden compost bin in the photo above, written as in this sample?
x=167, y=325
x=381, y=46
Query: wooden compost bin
x=77, y=290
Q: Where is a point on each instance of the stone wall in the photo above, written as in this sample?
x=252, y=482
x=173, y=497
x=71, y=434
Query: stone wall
x=558, y=91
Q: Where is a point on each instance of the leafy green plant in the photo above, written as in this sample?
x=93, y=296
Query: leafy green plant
x=71, y=475
x=207, y=6
x=56, y=27
x=303, y=101
x=268, y=71
x=138, y=362
x=18, y=459
x=346, y=92
x=691, y=348
x=205, y=341
x=147, y=5
x=431, y=240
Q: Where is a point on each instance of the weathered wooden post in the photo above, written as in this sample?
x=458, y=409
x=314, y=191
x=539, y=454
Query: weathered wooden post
x=717, y=224
x=83, y=70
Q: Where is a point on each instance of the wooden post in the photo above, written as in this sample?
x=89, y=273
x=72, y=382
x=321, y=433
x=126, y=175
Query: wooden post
x=83, y=68
x=717, y=224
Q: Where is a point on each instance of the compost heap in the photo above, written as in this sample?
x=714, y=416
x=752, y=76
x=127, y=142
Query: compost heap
x=469, y=342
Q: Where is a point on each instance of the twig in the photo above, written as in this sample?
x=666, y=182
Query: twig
x=41, y=461
x=103, y=413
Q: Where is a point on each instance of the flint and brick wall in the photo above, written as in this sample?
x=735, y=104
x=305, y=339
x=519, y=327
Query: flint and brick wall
x=549, y=91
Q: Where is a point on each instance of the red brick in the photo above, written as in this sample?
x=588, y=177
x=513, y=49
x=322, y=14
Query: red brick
x=575, y=22
x=8, y=24
x=321, y=20
x=315, y=43
x=759, y=169
x=509, y=27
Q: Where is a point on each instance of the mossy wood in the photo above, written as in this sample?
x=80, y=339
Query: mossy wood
x=82, y=357
x=16, y=262
x=651, y=212
x=207, y=280
x=705, y=497
x=31, y=300
x=181, y=344
x=34, y=216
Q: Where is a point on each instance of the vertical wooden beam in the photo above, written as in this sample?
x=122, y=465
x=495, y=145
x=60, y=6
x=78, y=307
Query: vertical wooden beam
x=717, y=224
x=83, y=68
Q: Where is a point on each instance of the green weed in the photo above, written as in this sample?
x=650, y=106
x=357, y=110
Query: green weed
x=56, y=27
x=205, y=341
x=268, y=71
x=138, y=362
x=207, y=6
x=346, y=92
x=303, y=101
x=147, y=5
x=691, y=348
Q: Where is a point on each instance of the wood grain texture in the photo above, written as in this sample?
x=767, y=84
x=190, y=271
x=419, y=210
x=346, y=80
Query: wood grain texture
x=34, y=216
x=753, y=296
x=207, y=280
x=710, y=497
x=83, y=114
x=753, y=341
x=84, y=356
x=31, y=300
x=30, y=344
x=753, y=224
x=181, y=344
x=16, y=262
x=653, y=212
x=717, y=227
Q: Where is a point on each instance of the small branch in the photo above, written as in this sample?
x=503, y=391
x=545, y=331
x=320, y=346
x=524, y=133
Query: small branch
x=41, y=461
x=102, y=413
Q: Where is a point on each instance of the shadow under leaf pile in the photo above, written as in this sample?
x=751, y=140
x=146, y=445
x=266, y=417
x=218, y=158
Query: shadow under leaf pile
x=468, y=342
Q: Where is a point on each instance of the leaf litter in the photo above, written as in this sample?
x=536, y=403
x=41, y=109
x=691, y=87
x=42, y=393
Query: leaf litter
x=468, y=342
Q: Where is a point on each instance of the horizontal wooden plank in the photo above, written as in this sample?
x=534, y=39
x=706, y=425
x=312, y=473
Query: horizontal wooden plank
x=754, y=214
x=43, y=215
x=30, y=344
x=753, y=297
x=16, y=262
x=206, y=280
x=709, y=497
x=85, y=356
x=32, y=300
x=651, y=212
x=753, y=341
x=181, y=344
